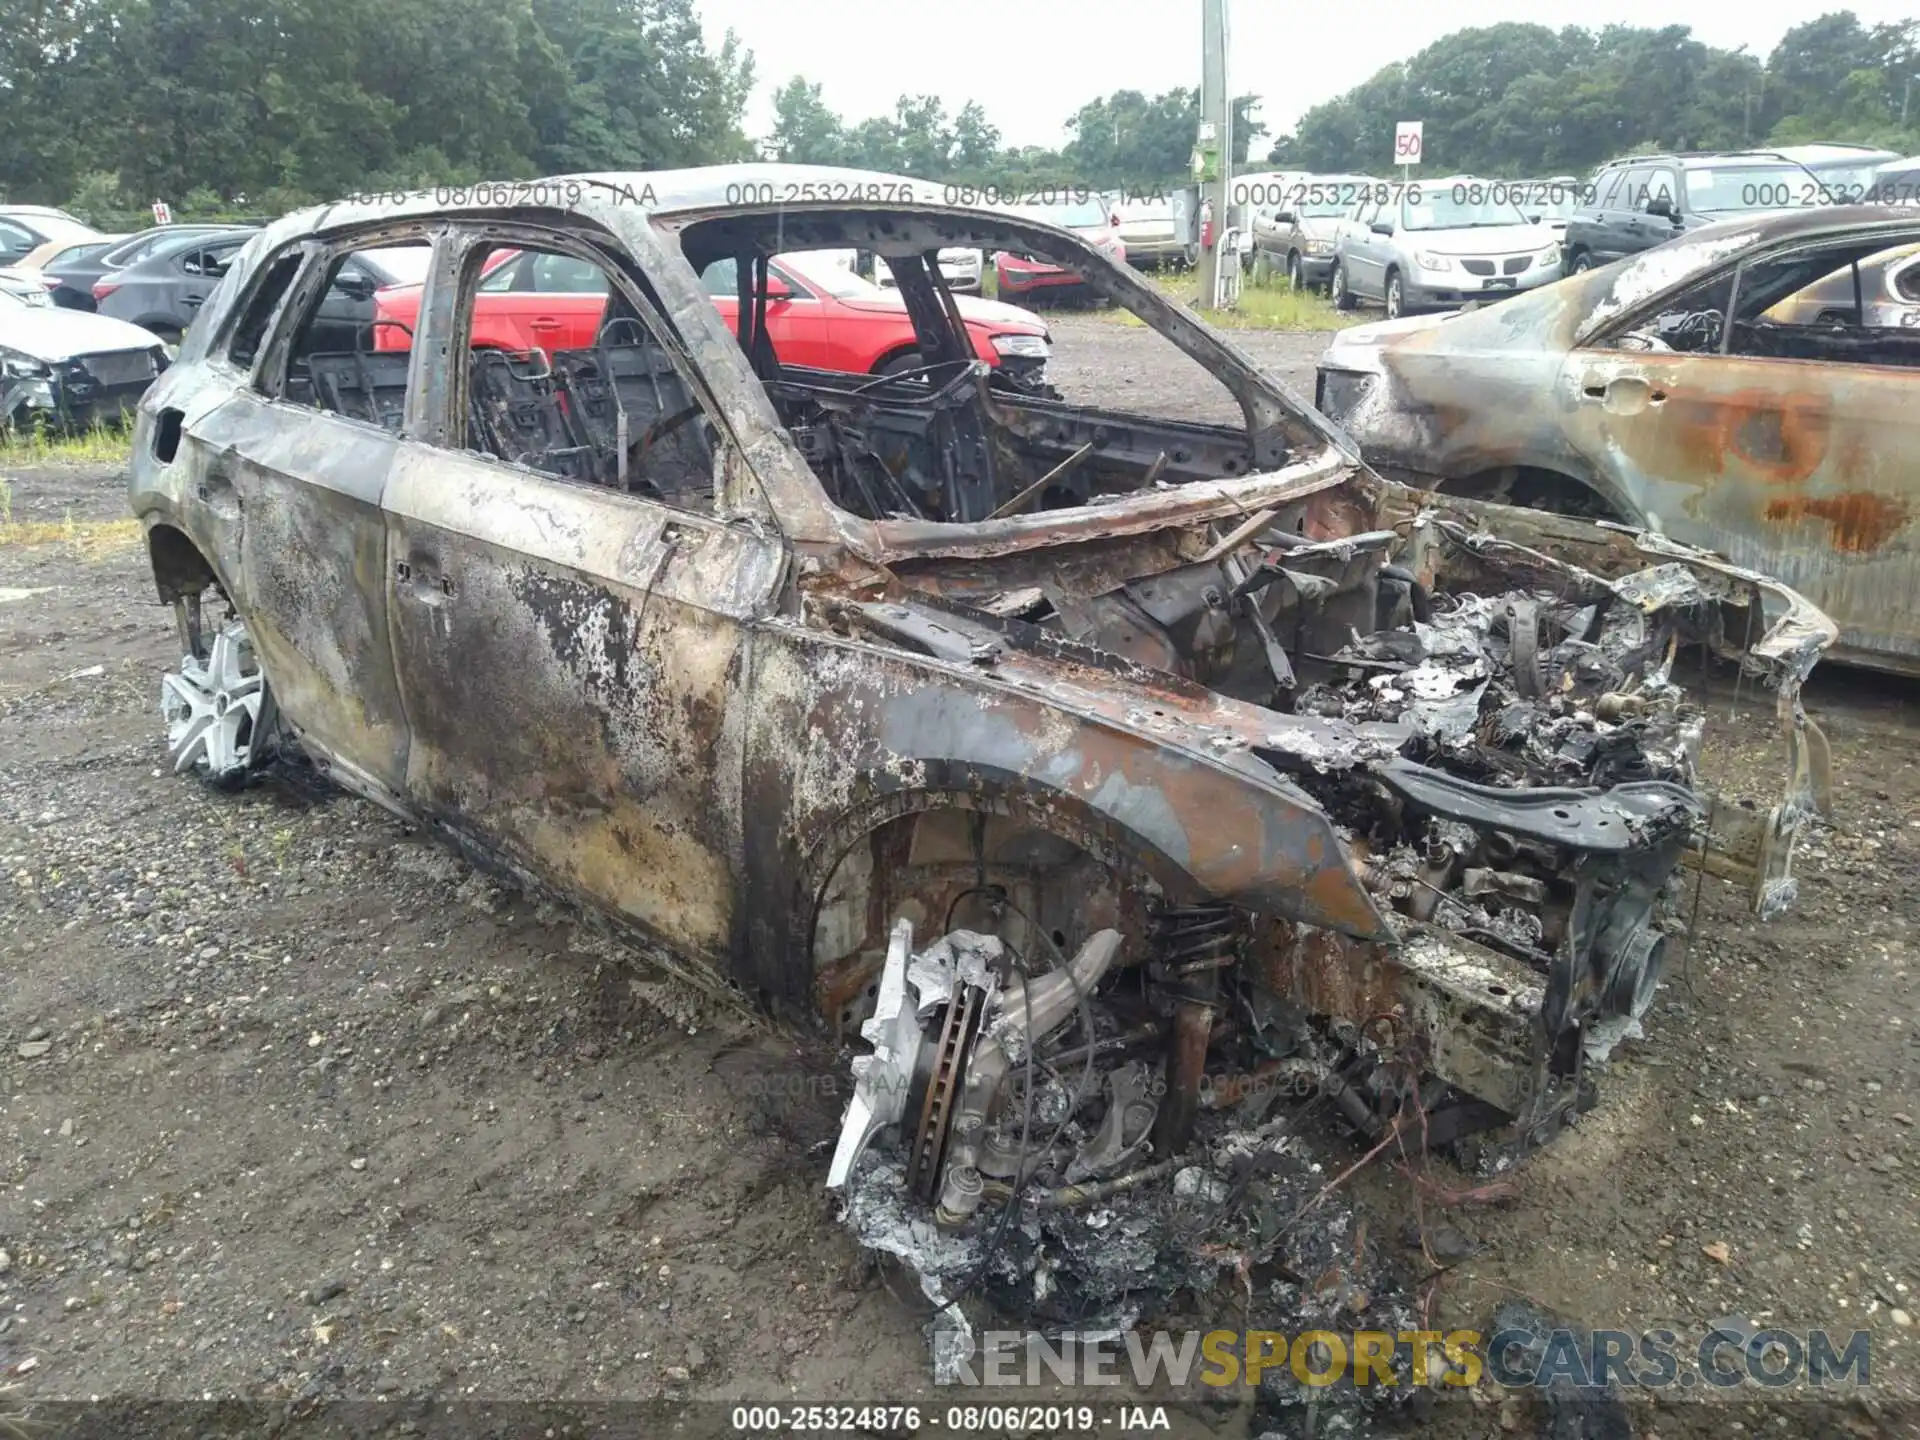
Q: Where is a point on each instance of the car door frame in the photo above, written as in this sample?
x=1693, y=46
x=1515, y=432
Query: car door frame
x=303, y=488
x=588, y=596
x=1774, y=505
x=1664, y=177
x=1587, y=226
x=190, y=302
x=1360, y=248
x=1627, y=231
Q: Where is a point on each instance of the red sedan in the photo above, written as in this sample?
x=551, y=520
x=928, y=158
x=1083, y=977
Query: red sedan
x=818, y=315
x=1017, y=276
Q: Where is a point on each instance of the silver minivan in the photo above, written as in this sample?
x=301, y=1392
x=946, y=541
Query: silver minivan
x=1295, y=230
x=1437, y=244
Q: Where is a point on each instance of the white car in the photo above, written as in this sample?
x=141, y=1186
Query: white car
x=1154, y=230
x=68, y=369
x=1438, y=244
x=26, y=286
x=960, y=266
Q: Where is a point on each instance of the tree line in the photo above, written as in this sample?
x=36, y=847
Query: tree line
x=257, y=106
x=270, y=104
x=1524, y=100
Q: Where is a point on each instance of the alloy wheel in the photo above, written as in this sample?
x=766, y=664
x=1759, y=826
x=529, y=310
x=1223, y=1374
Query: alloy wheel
x=217, y=709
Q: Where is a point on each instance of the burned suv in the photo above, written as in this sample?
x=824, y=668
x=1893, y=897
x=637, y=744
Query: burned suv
x=1031, y=741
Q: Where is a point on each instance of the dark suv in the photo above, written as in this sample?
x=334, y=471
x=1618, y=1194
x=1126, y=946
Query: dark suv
x=1636, y=203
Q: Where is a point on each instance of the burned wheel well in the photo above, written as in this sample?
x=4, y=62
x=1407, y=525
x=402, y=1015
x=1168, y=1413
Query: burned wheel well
x=1535, y=487
x=179, y=569
x=998, y=863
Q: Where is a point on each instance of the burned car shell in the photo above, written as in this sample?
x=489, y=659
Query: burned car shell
x=761, y=732
x=1792, y=468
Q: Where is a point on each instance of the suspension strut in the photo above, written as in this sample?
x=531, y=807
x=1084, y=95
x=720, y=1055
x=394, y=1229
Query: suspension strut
x=1192, y=945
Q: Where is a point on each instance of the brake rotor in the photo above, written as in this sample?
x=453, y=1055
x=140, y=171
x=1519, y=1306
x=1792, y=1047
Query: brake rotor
x=937, y=1080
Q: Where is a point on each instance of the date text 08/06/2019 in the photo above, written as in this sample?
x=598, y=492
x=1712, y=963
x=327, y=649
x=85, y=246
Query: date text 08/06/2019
x=982, y=1420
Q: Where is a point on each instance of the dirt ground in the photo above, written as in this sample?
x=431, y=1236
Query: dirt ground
x=294, y=1104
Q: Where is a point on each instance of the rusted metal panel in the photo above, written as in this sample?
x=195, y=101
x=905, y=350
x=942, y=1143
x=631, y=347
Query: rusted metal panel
x=572, y=663
x=1799, y=469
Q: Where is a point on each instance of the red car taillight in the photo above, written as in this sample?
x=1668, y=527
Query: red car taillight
x=104, y=288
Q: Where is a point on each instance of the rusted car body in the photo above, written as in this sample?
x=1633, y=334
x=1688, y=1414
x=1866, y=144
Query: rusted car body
x=940, y=651
x=1784, y=440
x=1888, y=297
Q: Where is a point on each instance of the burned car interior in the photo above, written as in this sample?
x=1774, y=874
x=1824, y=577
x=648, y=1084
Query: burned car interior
x=1696, y=321
x=617, y=413
x=955, y=441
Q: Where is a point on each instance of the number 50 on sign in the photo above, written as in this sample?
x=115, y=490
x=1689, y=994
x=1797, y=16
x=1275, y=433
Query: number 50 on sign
x=1406, y=142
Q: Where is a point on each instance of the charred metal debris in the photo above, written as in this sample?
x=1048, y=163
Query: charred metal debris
x=1497, y=738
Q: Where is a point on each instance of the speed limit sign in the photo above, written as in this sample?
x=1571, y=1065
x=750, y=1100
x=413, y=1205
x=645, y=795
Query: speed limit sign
x=1406, y=142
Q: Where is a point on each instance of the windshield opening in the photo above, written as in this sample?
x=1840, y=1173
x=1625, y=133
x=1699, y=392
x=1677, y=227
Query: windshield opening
x=988, y=411
x=1750, y=187
x=1081, y=215
x=1457, y=209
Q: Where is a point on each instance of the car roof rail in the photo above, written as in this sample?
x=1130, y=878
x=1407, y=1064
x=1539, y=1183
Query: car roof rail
x=1841, y=145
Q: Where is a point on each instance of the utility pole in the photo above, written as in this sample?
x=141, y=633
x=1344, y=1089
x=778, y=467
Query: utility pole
x=1213, y=155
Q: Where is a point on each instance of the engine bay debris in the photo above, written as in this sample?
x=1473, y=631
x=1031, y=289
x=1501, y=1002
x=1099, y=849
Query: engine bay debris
x=1513, y=773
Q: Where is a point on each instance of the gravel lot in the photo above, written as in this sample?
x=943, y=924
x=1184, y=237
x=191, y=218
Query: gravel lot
x=294, y=1104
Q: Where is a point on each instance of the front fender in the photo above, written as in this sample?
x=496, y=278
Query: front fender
x=840, y=727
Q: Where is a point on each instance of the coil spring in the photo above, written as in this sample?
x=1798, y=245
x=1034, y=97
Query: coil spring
x=1190, y=939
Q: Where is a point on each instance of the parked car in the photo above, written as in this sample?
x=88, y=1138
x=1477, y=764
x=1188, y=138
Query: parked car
x=1296, y=226
x=163, y=292
x=799, y=673
x=62, y=371
x=77, y=270
x=1260, y=190
x=1847, y=172
x=70, y=254
x=961, y=268
x=1440, y=244
x=25, y=286
x=1886, y=296
x=30, y=235
x=1155, y=231
x=820, y=315
x=1646, y=200
x=1023, y=277
x=1550, y=202
x=1723, y=388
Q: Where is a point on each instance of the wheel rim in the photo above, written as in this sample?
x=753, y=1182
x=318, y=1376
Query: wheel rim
x=1581, y=264
x=1393, y=298
x=212, y=708
x=1339, y=285
x=1293, y=273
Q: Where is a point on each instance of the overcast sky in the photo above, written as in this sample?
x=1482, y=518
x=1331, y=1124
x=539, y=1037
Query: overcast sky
x=1032, y=63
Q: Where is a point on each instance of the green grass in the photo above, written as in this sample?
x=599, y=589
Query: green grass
x=88, y=539
x=1263, y=306
x=98, y=446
